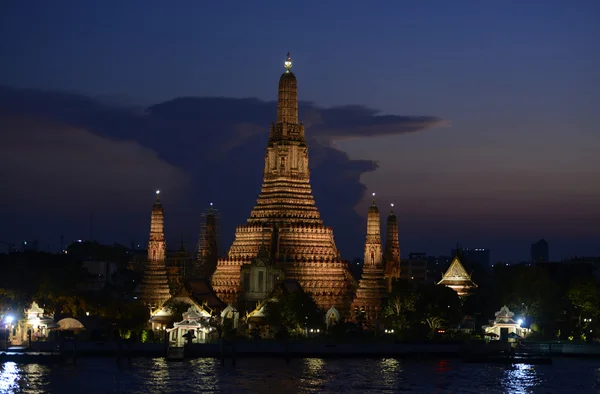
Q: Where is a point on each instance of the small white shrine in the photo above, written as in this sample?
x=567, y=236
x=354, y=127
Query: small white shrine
x=504, y=327
x=195, y=324
x=35, y=323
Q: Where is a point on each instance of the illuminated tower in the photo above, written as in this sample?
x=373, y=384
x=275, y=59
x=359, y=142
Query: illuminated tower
x=285, y=220
x=208, y=252
x=392, y=250
x=155, y=285
x=371, y=288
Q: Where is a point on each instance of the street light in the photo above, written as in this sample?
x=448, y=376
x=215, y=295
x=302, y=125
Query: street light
x=9, y=319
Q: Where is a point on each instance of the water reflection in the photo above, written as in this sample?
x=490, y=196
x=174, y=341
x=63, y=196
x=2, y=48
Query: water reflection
x=313, y=379
x=9, y=376
x=311, y=375
x=206, y=376
x=159, y=376
x=34, y=378
x=391, y=372
x=520, y=378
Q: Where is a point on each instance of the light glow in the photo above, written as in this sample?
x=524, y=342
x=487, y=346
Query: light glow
x=9, y=319
x=288, y=62
x=157, y=192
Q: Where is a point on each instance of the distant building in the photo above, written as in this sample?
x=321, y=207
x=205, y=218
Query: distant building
x=101, y=274
x=436, y=266
x=476, y=256
x=415, y=267
x=30, y=246
x=539, y=252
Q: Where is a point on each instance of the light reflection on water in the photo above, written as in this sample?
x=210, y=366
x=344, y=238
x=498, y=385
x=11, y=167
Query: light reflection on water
x=520, y=379
x=9, y=374
x=310, y=375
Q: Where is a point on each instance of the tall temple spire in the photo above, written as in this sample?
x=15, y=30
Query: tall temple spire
x=285, y=220
x=392, y=250
x=155, y=286
x=373, y=241
x=371, y=288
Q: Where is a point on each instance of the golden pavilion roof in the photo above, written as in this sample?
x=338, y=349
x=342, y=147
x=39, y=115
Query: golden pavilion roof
x=456, y=274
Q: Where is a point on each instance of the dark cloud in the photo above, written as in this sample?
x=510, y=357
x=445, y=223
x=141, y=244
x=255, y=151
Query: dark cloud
x=86, y=154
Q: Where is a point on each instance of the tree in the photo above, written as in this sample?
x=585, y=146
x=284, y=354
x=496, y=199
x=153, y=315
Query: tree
x=294, y=311
x=401, y=305
x=434, y=323
x=584, y=295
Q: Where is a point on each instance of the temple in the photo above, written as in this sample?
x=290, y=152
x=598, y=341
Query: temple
x=457, y=278
x=285, y=220
x=371, y=288
x=392, y=251
x=155, y=286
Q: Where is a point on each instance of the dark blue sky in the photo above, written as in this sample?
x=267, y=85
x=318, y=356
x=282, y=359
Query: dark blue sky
x=516, y=83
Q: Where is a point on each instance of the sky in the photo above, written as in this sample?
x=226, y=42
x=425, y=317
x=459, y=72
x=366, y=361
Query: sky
x=477, y=120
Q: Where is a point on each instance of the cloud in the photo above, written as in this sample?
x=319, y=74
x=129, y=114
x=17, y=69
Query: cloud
x=81, y=149
x=51, y=165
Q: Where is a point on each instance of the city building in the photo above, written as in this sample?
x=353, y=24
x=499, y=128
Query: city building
x=539, y=252
x=286, y=221
x=436, y=266
x=101, y=273
x=414, y=268
x=474, y=257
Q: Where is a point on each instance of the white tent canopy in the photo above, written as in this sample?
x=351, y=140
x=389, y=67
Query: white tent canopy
x=70, y=324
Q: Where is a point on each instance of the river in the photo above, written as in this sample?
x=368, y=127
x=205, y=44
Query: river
x=310, y=375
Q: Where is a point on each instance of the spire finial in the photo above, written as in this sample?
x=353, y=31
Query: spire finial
x=158, y=195
x=373, y=198
x=288, y=62
x=392, y=208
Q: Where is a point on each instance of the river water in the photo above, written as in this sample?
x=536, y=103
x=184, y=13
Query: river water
x=310, y=375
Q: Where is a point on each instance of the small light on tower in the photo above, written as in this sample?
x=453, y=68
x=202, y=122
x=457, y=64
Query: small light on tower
x=157, y=192
x=288, y=62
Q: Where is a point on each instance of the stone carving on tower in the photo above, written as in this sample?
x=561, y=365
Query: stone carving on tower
x=371, y=288
x=392, y=251
x=285, y=220
x=155, y=286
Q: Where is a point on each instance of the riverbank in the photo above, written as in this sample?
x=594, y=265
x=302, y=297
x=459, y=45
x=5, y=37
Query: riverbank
x=295, y=349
